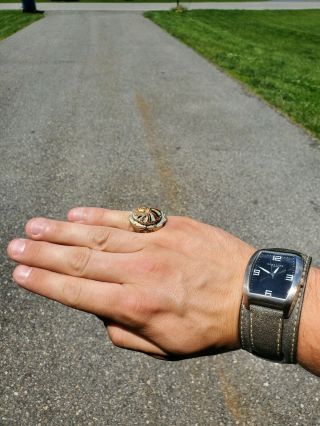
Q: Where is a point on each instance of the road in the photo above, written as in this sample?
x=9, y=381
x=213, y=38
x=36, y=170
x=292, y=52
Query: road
x=107, y=109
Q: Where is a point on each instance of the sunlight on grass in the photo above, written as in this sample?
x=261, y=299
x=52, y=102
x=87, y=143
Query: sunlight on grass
x=275, y=53
x=12, y=21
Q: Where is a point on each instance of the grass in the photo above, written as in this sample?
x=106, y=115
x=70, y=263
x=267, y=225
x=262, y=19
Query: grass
x=13, y=21
x=275, y=53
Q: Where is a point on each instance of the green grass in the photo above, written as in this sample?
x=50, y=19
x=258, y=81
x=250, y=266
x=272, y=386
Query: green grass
x=13, y=21
x=275, y=53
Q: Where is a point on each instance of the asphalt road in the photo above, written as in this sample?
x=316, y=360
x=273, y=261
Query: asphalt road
x=106, y=109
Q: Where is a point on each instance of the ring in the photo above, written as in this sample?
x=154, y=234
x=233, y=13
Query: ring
x=147, y=219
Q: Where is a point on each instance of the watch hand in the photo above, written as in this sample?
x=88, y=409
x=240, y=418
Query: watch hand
x=265, y=270
x=275, y=271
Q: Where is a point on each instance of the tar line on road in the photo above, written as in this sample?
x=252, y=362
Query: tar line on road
x=159, y=156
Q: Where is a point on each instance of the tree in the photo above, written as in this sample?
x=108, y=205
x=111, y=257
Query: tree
x=29, y=6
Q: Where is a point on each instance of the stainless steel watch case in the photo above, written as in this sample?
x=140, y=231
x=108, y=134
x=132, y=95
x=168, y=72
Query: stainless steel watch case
x=284, y=305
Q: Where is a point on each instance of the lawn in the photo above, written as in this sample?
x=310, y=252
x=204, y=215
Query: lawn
x=275, y=53
x=13, y=21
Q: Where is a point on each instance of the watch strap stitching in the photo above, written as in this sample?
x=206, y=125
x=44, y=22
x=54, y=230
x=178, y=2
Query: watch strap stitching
x=251, y=332
x=279, y=336
x=307, y=262
x=241, y=325
x=295, y=325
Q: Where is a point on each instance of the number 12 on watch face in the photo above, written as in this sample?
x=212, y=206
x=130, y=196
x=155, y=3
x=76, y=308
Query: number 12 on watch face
x=272, y=274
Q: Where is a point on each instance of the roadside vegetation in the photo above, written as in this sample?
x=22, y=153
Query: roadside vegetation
x=12, y=21
x=275, y=53
x=129, y=1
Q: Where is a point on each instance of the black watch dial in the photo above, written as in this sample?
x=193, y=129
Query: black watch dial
x=272, y=274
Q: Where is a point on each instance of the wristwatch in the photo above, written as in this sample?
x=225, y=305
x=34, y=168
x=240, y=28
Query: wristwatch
x=274, y=285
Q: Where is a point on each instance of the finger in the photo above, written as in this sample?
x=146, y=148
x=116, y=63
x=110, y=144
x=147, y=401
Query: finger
x=119, y=303
x=75, y=261
x=101, y=238
x=106, y=299
x=120, y=219
x=124, y=338
x=101, y=217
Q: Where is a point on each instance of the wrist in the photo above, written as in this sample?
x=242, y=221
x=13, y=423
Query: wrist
x=308, y=352
x=235, y=342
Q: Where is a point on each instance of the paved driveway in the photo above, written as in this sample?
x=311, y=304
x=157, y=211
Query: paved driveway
x=106, y=109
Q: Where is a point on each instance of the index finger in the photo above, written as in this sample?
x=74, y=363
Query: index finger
x=101, y=217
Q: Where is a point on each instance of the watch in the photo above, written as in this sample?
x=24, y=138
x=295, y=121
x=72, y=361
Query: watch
x=274, y=285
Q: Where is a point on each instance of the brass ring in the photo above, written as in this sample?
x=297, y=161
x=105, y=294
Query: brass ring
x=147, y=219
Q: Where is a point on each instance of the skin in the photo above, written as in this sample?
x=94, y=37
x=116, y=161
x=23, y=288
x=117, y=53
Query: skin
x=173, y=294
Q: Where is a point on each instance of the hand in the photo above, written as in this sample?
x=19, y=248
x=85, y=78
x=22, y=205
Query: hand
x=265, y=270
x=173, y=293
x=275, y=271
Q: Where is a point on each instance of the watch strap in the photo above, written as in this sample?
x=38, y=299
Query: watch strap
x=265, y=332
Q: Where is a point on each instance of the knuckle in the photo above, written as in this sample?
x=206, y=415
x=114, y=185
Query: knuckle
x=71, y=293
x=187, y=222
x=132, y=311
x=100, y=239
x=78, y=260
x=132, y=305
x=148, y=262
x=182, y=222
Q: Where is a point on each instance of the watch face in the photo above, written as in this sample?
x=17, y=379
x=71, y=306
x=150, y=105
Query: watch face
x=272, y=274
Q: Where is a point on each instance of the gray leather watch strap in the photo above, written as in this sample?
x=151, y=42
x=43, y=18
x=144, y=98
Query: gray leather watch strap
x=265, y=332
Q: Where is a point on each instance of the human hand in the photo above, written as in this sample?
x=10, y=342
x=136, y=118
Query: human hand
x=174, y=293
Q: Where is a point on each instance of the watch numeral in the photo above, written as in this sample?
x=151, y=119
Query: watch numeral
x=289, y=277
x=276, y=258
x=268, y=293
x=256, y=272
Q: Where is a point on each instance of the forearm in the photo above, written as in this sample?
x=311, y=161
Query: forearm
x=309, y=331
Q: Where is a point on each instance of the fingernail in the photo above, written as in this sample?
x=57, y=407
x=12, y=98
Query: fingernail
x=37, y=227
x=17, y=247
x=77, y=214
x=21, y=273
